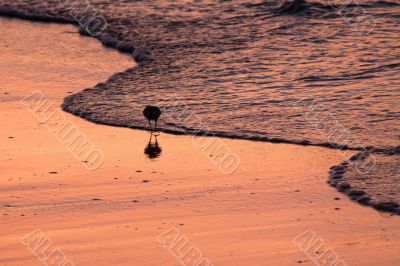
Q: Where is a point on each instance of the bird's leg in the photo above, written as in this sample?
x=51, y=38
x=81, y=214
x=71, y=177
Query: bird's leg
x=151, y=128
x=155, y=127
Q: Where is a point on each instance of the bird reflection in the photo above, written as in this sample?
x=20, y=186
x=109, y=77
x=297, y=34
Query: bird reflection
x=153, y=150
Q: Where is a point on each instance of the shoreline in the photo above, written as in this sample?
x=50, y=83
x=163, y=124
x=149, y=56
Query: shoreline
x=111, y=216
x=333, y=180
x=12, y=13
x=122, y=48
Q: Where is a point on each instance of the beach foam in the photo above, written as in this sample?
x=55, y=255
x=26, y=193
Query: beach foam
x=370, y=179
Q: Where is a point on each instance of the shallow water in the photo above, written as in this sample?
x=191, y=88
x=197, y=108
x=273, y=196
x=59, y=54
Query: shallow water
x=379, y=182
x=377, y=187
x=237, y=68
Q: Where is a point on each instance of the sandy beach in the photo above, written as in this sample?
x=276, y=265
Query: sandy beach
x=114, y=214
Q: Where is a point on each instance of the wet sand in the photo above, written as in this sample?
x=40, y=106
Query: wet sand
x=109, y=216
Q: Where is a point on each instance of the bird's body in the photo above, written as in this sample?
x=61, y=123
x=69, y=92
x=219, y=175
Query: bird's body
x=152, y=113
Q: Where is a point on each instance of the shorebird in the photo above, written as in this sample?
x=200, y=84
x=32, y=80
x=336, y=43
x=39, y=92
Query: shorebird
x=152, y=113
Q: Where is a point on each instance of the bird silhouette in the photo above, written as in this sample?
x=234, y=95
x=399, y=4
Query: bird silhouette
x=152, y=113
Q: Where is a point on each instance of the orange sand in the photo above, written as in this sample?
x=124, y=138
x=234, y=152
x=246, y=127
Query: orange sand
x=247, y=218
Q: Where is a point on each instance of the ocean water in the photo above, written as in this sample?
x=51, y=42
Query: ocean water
x=326, y=74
